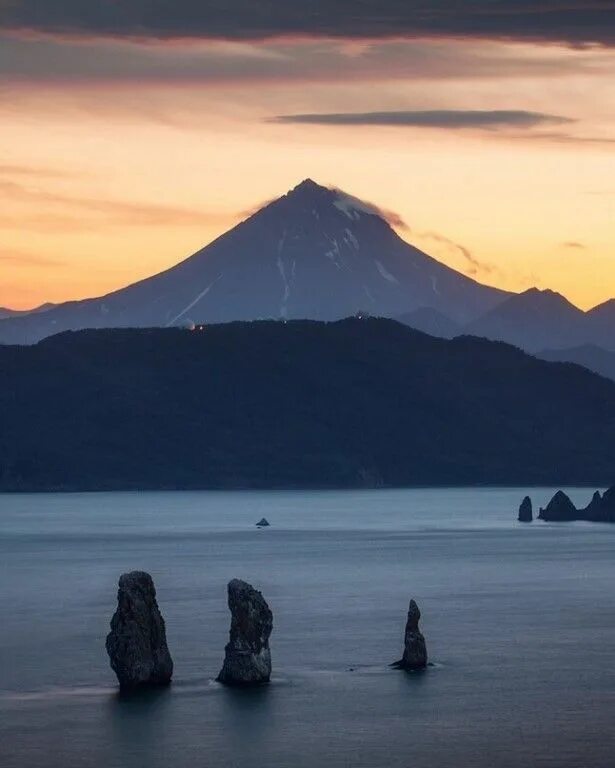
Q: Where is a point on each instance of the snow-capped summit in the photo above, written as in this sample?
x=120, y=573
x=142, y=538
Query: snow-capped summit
x=315, y=252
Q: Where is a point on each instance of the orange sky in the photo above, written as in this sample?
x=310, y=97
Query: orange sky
x=118, y=160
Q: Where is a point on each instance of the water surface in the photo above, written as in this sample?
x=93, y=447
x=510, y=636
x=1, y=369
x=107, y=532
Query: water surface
x=519, y=621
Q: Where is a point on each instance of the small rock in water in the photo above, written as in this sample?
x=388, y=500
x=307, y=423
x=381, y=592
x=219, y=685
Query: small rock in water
x=137, y=643
x=415, y=650
x=525, y=511
x=247, y=659
x=262, y=523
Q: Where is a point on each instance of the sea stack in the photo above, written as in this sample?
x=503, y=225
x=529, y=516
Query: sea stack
x=247, y=659
x=559, y=509
x=137, y=643
x=415, y=650
x=601, y=508
x=263, y=523
x=525, y=511
x=594, y=510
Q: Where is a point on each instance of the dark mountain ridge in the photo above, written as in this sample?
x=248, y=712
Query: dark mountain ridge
x=354, y=403
x=596, y=359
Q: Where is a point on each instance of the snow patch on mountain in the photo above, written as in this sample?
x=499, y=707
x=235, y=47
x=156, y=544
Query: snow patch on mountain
x=385, y=272
x=203, y=293
x=334, y=254
x=285, y=283
x=350, y=238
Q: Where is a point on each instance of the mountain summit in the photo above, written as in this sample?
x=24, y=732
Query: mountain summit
x=315, y=253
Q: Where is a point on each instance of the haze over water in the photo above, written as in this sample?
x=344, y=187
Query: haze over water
x=519, y=622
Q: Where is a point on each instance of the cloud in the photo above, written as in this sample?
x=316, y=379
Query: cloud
x=441, y=118
x=23, y=258
x=92, y=60
x=74, y=210
x=245, y=214
x=32, y=171
x=574, y=245
x=576, y=22
x=474, y=266
x=394, y=219
x=391, y=217
x=569, y=138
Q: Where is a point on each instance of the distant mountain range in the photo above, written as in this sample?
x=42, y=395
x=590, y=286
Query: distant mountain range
x=314, y=253
x=533, y=320
x=356, y=403
x=536, y=320
x=5, y=312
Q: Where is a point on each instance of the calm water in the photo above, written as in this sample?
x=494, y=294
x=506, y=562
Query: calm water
x=519, y=621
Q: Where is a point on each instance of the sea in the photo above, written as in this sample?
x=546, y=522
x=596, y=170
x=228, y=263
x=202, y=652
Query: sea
x=519, y=621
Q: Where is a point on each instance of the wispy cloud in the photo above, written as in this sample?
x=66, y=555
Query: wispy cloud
x=574, y=246
x=391, y=217
x=32, y=171
x=111, y=212
x=23, y=258
x=473, y=265
x=570, y=138
x=441, y=118
x=45, y=59
x=246, y=213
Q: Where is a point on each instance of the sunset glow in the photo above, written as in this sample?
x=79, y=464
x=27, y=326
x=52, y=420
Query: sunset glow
x=121, y=157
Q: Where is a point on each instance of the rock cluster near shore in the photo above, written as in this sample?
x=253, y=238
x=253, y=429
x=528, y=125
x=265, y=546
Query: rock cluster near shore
x=247, y=658
x=415, y=648
x=601, y=509
x=137, y=643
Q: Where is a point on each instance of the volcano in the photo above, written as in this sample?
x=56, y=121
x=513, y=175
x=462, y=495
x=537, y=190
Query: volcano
x=314, y=253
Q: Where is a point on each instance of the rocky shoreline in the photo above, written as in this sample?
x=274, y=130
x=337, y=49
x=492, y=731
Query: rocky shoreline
x=601, y=509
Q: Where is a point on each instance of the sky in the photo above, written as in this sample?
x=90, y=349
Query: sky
x=133, y=133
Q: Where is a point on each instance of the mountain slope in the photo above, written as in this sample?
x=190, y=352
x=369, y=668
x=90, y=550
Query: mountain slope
x=297, y=404
x=5, y=312
x=601, y=324
x=533, y=320
x=596, y=359
x=431, y=321
x=313, y=253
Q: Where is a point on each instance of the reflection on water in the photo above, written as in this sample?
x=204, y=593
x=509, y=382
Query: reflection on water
x=135, y=724
x=519, y=621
